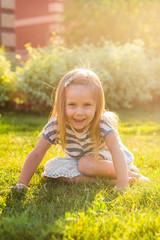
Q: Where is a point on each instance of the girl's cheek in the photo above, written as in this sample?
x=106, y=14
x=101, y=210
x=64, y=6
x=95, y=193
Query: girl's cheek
x=91, y=112
x=69, y=111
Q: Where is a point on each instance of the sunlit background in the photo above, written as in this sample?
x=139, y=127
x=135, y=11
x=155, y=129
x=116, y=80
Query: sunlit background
x=119, y=39
x=79, y=21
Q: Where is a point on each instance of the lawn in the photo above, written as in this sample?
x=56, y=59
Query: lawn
x=52, y=210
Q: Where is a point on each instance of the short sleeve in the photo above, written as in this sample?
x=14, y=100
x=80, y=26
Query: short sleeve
x=106, y=127
x=50, y=131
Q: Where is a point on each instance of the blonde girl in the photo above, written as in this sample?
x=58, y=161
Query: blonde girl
x=87, y=133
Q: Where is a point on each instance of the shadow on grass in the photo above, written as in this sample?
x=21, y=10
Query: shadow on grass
x=14, y=202
x=50, y=200
x=40, y=212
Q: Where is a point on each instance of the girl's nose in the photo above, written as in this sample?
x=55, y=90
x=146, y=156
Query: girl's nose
x=79, y=111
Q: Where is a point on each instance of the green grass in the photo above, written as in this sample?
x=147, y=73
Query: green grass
x=52, y=210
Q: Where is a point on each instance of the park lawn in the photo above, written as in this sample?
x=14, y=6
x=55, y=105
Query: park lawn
x=52, y=210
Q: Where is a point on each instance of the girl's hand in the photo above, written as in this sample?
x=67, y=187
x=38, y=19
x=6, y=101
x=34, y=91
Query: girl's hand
x=122, y=188
x=21, y=186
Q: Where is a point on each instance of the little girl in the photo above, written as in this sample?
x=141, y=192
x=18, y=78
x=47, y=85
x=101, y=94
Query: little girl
x=87, y=133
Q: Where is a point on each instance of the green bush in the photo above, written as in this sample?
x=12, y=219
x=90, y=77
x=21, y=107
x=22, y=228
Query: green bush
x=7, y=79
x=40, y=75
x=129, y=77
x=113, y=20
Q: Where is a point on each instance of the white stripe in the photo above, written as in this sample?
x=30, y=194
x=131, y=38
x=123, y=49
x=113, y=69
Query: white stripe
x=82, y=136
x=105, y=126
x=73, y=145
x=38, y=20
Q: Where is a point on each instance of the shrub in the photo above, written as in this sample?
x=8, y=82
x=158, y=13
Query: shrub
x=7, y=79
x=40, y=75
x=129, y=77
x=126, y=74
x=116, y=21
x=155, y=79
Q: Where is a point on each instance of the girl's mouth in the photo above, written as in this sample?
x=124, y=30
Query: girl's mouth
x=78, y=120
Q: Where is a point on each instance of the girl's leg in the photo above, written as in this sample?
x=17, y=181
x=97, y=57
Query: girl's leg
x=78, y=179
x=92, y=167
x=82, y=179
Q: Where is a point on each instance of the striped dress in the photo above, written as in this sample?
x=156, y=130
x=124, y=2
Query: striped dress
x=77, y=146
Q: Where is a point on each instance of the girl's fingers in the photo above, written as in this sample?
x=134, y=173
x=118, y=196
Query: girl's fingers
x=21, y=186
x=132, y=179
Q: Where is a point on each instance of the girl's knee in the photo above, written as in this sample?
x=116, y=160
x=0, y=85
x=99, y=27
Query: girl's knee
x=85, y=166
x=81, y=166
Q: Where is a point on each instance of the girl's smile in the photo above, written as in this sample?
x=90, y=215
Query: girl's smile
x=80, y=106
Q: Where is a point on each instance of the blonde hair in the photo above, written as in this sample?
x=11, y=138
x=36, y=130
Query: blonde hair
x=79, y=76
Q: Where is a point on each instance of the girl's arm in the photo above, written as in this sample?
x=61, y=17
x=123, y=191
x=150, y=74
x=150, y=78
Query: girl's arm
x=33, y=160
x=114, y=146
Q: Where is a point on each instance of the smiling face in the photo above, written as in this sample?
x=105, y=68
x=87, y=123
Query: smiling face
x=80, y=106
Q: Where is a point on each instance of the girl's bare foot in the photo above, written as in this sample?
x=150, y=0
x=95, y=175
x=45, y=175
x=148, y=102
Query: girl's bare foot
x=143, y=178
x=131, y=179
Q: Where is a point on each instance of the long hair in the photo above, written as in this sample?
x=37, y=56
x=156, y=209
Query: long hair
x=79, y=76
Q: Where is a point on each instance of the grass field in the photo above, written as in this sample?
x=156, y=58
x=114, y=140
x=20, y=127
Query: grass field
x=52, y=210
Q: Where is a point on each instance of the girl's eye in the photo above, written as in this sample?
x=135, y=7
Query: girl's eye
x=71, y=104
x=88, y=105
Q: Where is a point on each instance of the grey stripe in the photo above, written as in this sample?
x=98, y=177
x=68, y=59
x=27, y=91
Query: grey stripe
x=74, y=137
x=107, y=133
x=69, y=141
x=50, y=124
x=76, y=156
x=86, y=145
x=51, y=133
x=74, y=150
x=106, y=123
x=48, y=139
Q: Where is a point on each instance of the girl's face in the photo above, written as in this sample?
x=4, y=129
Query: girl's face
x=80, y=106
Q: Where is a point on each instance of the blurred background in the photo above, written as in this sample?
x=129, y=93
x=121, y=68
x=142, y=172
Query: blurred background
x=43, y=39
x=78, y=22
x=32, y=22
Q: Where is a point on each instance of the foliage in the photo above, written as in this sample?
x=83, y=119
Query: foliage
x=129, y=77
x=7, y=79
x=54, y=210
x=40, y=75
x=112, y=20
